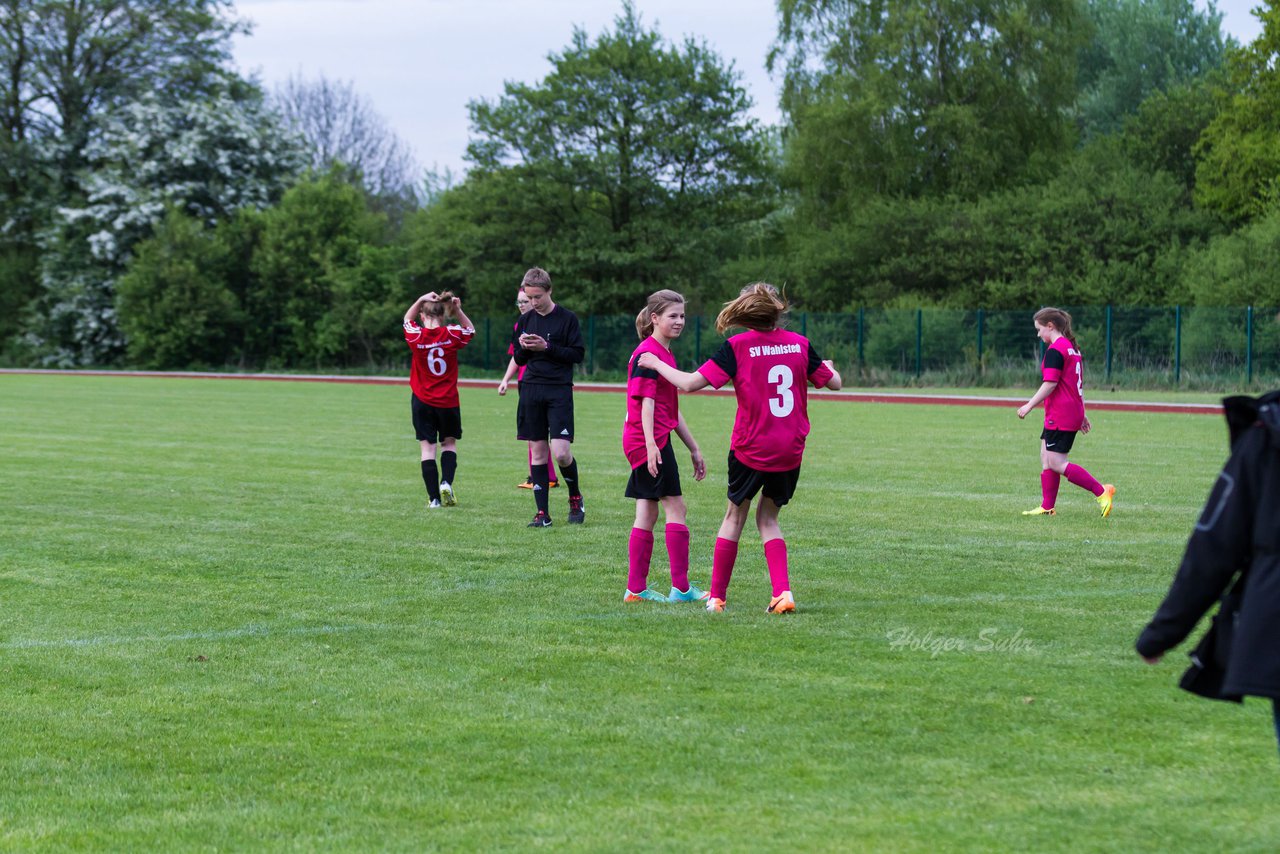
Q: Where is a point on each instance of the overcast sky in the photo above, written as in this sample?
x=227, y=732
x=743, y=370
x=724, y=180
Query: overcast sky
x=420, y=61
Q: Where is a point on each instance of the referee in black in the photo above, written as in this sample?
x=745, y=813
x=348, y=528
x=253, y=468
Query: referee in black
x=548, y=343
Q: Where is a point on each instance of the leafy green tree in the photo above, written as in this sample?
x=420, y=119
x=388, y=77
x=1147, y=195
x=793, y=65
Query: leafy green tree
x=175, y=309
x=632, y=165
x=1238, y=269
x=908, y=98
x=1140, y=48
x=1238, y=171
x=1166, y=129
x=329, y=283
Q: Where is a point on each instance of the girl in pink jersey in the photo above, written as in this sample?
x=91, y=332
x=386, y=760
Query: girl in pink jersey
x=1063, y=394
x=769, y=367
x=653, y=414
x=517, y=371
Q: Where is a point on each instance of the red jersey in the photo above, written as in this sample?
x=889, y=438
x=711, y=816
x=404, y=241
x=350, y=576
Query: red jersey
x=1064, y=407
x=434, y=375
x=768, y=370
x=642, y=383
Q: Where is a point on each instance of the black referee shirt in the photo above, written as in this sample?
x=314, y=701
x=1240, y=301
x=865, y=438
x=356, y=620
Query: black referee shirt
x=553, y=366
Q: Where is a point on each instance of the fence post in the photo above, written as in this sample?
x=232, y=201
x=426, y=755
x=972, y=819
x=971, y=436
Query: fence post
x=1108, y=342
x=980, y=341
x=488, y=342
x=1177, y=345
x=1248, y=347
x=919, y=338
x=697, y=340
x=862, y=321
x=591, y=344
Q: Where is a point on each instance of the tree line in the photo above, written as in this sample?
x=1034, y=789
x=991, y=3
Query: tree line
x=159, y=210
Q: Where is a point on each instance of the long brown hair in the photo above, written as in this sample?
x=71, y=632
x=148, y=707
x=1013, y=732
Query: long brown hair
x=758, y=306
x=1059, y=319
x=659, y=302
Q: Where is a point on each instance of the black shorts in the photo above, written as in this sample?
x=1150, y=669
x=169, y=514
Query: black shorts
x=1058, y=441
x=745, y=482
x=545, y=412
x=434, y=423
x=665, y=485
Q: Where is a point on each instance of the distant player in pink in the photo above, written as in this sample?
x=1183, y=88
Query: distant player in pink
x=1063, y=395
x=653, y=414
x=437, y=417
x=769, y=368
x=513, y=370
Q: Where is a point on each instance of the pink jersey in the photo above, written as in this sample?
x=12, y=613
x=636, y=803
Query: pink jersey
x=434, y=374
x=1064, y=365
x=768, y=370
x=642, y=383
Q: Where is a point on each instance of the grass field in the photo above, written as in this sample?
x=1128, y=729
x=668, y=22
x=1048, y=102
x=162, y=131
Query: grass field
x=230, y=622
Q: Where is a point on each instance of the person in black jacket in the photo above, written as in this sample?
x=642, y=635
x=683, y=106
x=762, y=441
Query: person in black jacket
x=1237, y=538
x=547, y=343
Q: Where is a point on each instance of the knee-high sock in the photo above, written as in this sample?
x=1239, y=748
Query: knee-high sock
x=538, y=474
x=775, y=556
x=677, y=537
x=569, y=475
x=431, y=479
x=448, y=466
x=639, y=553
x=722, y=560
x=1050, y=480
x=1082, y=479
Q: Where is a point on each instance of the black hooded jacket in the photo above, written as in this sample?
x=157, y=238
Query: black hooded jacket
x=1239, y=530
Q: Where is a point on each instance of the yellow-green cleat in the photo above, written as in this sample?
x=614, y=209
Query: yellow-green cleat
x=1040, y=511
x=1104, y=500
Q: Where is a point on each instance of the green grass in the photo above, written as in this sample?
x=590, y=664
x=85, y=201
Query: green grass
x=229, y=622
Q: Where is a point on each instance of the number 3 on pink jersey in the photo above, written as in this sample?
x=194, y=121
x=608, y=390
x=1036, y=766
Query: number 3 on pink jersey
x=782, y=379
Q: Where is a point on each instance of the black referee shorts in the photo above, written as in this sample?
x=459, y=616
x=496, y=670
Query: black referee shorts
x=545, y=412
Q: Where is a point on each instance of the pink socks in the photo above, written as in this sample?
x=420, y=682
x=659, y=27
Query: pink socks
x=677, y=537
x=1082, y=479
x=722, y=560
x=775, y=555
x=1049, y=482
x=639, y=553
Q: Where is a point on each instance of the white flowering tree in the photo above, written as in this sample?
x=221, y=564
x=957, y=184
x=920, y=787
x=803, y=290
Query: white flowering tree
x=206, y=159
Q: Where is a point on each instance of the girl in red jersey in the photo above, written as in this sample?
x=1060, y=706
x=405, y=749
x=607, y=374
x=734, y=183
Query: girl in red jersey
x=437, y=417
x=513, y=370
x=653, y=414
x=1063, y=394
x=769, y=367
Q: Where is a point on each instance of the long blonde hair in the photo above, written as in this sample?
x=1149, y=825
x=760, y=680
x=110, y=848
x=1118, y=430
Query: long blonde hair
x=758, y=306
x=659, y=302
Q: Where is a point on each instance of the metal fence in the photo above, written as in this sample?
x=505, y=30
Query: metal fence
x=1173, y=345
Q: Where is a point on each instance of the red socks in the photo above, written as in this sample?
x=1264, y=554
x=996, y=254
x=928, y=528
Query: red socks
x=1082, y=479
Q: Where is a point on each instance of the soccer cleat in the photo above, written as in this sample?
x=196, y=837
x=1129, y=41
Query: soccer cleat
x=715, y=606
x=645, y=595
x=541, y=520
x=576, y=516
x=434, y=504
x=552, y=484
x=528, y=484
x=446, y=495
x=1105, y=499
x=782, y=604
x=1040, y=511
x=693, y=594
